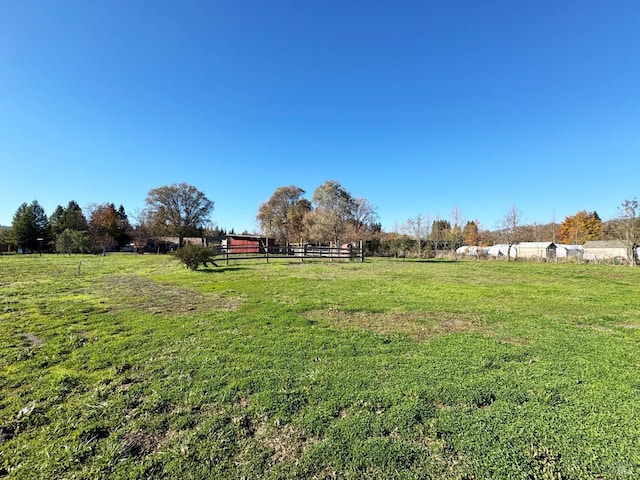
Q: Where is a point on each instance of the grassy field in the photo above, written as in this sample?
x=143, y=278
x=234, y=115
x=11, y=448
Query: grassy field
x=133, y=367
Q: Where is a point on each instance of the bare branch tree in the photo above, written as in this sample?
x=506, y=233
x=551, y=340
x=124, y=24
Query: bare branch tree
x=456, y=228
x=510, y=227
x=364, y=214
x=627, y=227
x=418, y=228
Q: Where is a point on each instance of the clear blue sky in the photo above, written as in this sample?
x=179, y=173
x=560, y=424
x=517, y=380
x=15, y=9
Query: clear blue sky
x=419, y=106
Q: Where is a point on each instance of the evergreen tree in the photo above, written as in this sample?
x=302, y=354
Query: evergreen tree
x=125, y=230
x=74, y=219
x=56, y=222
x=30, y=226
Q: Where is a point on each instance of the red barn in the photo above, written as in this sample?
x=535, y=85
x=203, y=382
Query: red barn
x=247, y=244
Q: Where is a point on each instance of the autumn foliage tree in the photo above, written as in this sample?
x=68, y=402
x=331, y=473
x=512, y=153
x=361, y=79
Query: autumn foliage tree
x=577, y=229
x=471, y=234
x=282, y=217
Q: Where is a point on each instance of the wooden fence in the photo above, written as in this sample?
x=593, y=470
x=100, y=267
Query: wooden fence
x=349, y=252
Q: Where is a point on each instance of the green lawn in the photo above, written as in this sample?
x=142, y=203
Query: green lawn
x=131, y=366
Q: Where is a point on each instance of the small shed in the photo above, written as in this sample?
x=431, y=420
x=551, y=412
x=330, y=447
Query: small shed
x=568, y=251
x=605, y=251
x=541, y=250
x=248, y=244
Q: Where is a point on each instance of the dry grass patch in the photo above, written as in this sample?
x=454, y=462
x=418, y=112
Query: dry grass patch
x=418, y=325
x=33, y=340
x=629, y=325
x=132, y=292
x=287, y=443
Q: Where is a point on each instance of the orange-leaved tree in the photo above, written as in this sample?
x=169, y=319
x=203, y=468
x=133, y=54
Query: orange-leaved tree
x=577, y=229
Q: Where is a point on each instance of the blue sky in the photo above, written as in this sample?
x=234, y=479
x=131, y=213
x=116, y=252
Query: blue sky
x=419, y=106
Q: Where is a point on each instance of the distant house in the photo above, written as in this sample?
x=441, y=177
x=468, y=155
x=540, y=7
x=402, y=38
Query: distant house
x=247, y=244
x=605, y=251
x=542, y=250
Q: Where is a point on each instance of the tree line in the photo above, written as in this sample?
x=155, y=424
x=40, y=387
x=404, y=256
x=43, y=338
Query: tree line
x=175, y=210
x=331, y=216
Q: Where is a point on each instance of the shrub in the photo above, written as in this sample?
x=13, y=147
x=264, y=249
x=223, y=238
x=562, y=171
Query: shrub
x=194, y=255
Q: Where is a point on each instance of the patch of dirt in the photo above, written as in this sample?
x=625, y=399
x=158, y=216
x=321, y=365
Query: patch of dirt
x=140, y=443
x=131, y=292
x=418, y=325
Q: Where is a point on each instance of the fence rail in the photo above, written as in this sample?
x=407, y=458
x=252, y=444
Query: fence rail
x=350, y=252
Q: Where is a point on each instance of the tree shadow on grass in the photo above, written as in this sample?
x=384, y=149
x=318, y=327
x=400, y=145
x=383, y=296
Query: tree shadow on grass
x=218, y=270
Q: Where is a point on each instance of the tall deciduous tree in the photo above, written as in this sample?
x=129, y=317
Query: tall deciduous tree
x=282, y=217
x=178, y=210
x=577, y=229
x=333, y=211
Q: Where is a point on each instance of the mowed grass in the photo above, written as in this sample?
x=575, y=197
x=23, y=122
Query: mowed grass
x=133, y=367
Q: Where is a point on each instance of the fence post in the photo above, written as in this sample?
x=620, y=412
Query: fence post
x=361, y=251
